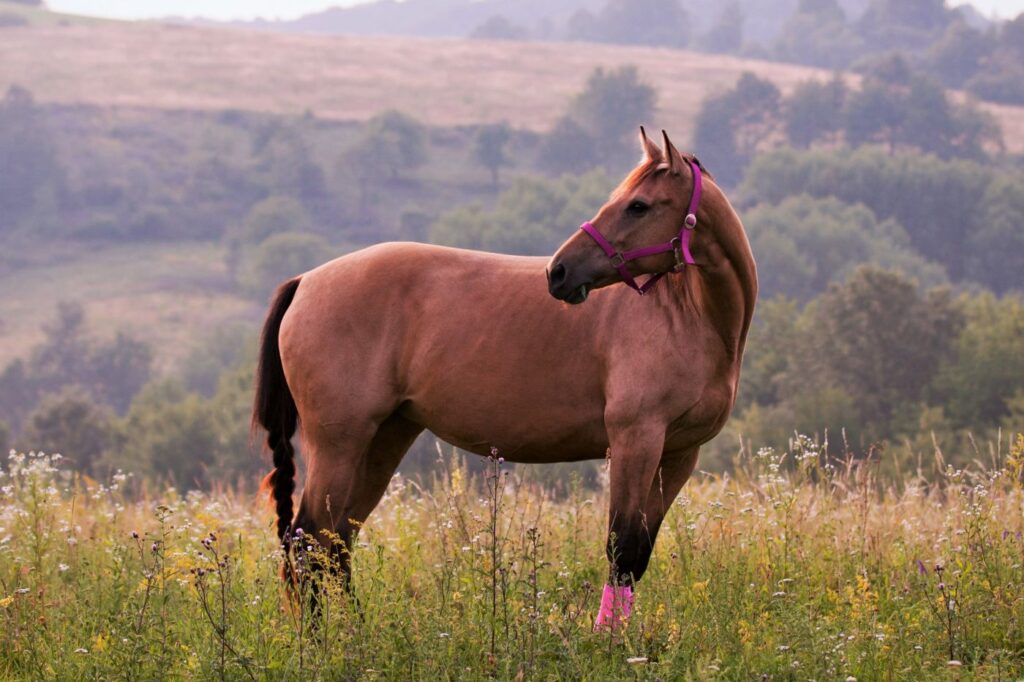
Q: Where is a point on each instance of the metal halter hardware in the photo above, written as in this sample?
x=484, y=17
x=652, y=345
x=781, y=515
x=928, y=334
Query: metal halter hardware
x=678, y=245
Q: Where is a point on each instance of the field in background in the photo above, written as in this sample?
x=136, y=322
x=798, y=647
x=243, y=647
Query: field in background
x=441, y=82
x=798, y=567
x=161, y=294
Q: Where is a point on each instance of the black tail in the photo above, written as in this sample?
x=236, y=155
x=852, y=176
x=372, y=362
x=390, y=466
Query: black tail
x=275, y=411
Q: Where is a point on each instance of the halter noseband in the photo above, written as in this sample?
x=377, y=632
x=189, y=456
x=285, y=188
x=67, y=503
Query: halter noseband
x=679, y=246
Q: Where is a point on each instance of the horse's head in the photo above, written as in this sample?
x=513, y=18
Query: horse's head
x=647, y=208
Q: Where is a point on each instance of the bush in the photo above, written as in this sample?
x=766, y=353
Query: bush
x=279, y=258
x=803, y=244
x=71, y=423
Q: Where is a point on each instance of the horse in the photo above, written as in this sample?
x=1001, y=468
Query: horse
x=544, y=360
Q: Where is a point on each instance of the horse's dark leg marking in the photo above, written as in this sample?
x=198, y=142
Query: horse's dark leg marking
x=635, y=455
x=674, y=472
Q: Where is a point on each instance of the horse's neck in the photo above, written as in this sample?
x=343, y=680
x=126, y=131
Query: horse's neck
x=721, y=292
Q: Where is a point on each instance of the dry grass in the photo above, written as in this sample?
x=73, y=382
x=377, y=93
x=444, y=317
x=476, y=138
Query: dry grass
x=443, y=82
x=791, y=569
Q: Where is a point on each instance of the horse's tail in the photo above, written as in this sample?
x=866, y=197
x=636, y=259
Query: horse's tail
x=275, y=411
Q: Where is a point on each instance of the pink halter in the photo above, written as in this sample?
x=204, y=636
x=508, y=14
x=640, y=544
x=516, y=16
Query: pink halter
x=679, y=246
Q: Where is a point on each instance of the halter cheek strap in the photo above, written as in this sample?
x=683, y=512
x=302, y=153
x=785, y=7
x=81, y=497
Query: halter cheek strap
x=679, y=245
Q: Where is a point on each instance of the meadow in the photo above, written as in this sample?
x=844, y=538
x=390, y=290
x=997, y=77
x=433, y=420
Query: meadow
x=443, y=82
x=799, y=565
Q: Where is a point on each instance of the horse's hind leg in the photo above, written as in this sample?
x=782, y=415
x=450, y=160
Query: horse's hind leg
x=345, y=481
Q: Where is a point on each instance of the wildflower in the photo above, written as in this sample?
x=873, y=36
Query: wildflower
x=135, y=535
x=154, y=547
x=636, y=660
x=954, y=664
x=920, y=568
x=22, y=590
x=62, y=567
x=80, y=650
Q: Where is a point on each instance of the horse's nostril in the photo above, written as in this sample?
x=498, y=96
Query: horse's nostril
x=557, y=275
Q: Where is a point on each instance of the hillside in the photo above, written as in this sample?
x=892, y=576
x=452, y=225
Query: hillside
x=440, y=81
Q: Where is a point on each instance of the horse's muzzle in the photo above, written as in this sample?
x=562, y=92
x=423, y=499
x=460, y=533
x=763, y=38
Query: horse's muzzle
x=561, y=287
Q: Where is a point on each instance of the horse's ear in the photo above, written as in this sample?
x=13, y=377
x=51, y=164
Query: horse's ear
x=673, y=158
x=651, y=151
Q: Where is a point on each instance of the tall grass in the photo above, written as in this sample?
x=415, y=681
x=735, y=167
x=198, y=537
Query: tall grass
x=795, y=567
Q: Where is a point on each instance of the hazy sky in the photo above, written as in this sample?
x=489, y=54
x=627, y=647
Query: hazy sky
x=271, y=9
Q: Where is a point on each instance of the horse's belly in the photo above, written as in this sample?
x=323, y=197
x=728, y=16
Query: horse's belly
x=520, y=427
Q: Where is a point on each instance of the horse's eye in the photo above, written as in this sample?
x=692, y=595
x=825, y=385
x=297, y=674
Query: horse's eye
x=637, y=208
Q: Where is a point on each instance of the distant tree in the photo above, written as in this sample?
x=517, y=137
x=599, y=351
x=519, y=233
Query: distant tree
x=611, y=107
x=63, y=356
x=939, y=203
x=1002, y=80
x=273, y=215
x=5, y=437
x=72, y=424
x=804, y=244
x=818, y=34
x=281, y=257
x=287, y=164
x=995, y=246
x=168, y=435
x=897, y=107
x=634, y=22
x=986, y=369
x=392, y=145
x=401, y=141
x=237, y=455
x=731, y=126
x=27, y=157
x=772, y=338
x=959, y=54
x=568, y=148
x=814, y=111
x=121, y=367
x=530, y=217
x=221, y=347
x=726, y=34
x=490, y=149
x=903, y=24
x=880, y=340
x=498, y=27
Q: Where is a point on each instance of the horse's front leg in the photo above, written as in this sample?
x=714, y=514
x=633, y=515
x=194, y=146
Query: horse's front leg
x=635, y=454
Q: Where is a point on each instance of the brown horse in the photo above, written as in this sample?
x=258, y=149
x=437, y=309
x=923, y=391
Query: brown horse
x=366, y=351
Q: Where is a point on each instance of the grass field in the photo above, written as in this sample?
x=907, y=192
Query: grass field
x=440, y=81
x=790, y=569
x=162, y=294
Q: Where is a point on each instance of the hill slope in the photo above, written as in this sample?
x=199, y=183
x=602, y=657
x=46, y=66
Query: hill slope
x=441, y=81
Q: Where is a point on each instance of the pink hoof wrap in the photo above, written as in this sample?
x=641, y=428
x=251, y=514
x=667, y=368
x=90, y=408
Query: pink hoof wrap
x=616, y=605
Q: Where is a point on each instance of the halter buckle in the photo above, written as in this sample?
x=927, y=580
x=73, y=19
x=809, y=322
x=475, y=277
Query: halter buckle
x=677, y=251
x=618, y=260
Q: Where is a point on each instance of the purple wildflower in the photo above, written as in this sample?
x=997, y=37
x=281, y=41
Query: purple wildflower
x=921, y=568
